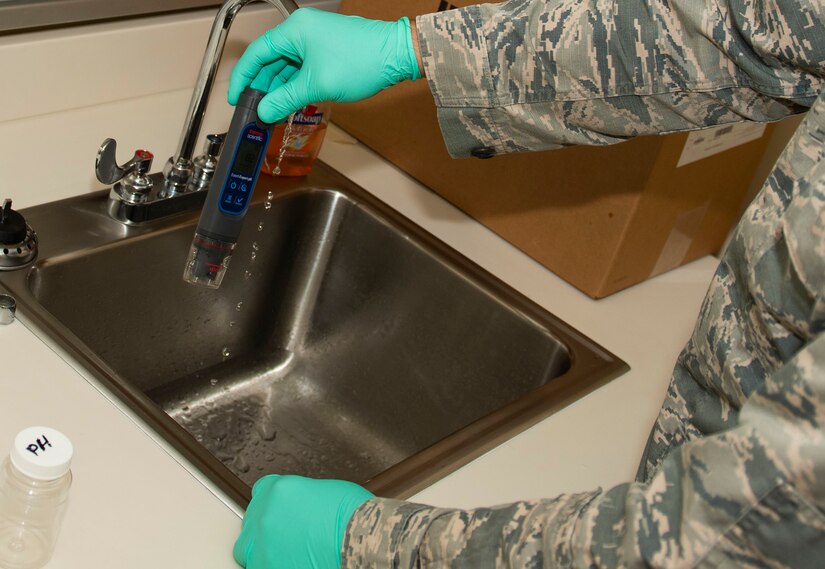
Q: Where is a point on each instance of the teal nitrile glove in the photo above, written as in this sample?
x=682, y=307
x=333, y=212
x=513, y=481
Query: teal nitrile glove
x=316, y=56
x=294, y=522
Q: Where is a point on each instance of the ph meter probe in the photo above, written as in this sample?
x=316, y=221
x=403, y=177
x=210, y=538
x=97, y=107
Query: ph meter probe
x=229, y=193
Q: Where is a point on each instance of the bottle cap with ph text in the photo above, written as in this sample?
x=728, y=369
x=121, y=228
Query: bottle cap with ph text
x=42, y=453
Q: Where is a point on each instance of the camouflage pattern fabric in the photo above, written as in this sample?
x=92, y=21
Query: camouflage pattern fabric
x=734, y=471
x=537, y=74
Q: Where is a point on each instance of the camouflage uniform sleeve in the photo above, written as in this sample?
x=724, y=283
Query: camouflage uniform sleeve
x=536, y=74
x=745, y=498
x=735, y=472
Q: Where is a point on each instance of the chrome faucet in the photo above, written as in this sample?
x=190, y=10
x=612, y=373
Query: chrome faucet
x=136, y=196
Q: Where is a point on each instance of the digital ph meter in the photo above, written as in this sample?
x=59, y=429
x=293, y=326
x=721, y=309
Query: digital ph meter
x=229, y=194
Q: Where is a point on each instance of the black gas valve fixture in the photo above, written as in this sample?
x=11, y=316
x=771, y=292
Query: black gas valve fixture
x=18, y=241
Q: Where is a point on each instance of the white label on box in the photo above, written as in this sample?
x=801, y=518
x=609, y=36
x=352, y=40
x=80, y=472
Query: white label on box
x=707, y=142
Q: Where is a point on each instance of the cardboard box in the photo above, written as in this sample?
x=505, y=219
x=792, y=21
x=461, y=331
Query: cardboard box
x=602, y=218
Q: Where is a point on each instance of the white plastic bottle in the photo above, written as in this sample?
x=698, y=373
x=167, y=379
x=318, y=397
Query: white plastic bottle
x=34, y=491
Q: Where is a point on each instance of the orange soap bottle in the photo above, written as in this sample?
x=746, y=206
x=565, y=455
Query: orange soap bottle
x=303, y=142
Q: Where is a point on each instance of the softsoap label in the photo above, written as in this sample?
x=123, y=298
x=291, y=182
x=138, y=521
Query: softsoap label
x=309, y=115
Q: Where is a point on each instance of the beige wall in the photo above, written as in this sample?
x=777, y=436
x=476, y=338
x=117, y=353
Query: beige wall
x=64, y=91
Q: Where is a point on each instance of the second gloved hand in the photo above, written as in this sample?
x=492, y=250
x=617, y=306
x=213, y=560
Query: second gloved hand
x=294, y=522
x=316, y=56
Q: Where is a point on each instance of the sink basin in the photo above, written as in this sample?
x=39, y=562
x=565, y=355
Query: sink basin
x=345, y=341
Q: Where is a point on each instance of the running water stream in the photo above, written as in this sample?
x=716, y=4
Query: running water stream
x=225, y=353
x=284, y=144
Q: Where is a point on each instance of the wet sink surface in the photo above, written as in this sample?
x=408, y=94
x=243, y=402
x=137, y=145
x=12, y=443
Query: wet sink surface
x=345, y=342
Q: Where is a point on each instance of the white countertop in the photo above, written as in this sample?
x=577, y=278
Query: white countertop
x=135, y=504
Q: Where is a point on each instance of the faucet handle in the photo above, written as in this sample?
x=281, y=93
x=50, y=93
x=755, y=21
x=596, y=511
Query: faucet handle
x=214, y=144
x=204, y=166
x=107, y=169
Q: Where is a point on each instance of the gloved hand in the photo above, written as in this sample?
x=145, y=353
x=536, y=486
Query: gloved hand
x=294, y=522
x=316, y=56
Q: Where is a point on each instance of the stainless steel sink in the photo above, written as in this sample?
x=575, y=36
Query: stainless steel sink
x=345, y=341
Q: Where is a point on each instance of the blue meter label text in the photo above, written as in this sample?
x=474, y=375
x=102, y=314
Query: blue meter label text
x=246, y=165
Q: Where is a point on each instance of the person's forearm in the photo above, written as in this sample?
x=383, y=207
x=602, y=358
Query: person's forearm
x=416, y=45
x=743, y=498
x=524, y=76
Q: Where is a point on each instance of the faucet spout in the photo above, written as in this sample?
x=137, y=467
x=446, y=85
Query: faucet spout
x=178, y=169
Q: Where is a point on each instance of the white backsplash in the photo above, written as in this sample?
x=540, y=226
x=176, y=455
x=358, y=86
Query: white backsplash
x=66, y=90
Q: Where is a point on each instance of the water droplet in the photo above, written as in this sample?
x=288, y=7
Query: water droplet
x=16, y=545
x=231, y=323
x=261, y=226
x=225, y=352
x=255, y=246
x=239, y=306
x=270, y=195
x=247, y=275
x=185, y=408
x=267, y=432
x=213, y=381
x=277, y=170
x=253, y=256
x=267, y=205
x=241, y=464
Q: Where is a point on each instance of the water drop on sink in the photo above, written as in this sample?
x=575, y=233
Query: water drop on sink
x=225, y=352
x=260, y=226
x=267, y=205
x=255, y=246
x=253, y=256
x=267, y=432
x=247, y=275
x=239, y=306
x=241, y=464
x=231, y=323
x=270, y=195
x=16, y=545
x=213, y=381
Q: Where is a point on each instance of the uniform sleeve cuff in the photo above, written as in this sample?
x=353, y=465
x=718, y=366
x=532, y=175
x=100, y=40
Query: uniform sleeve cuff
x=386, y=533
x=459, y=79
